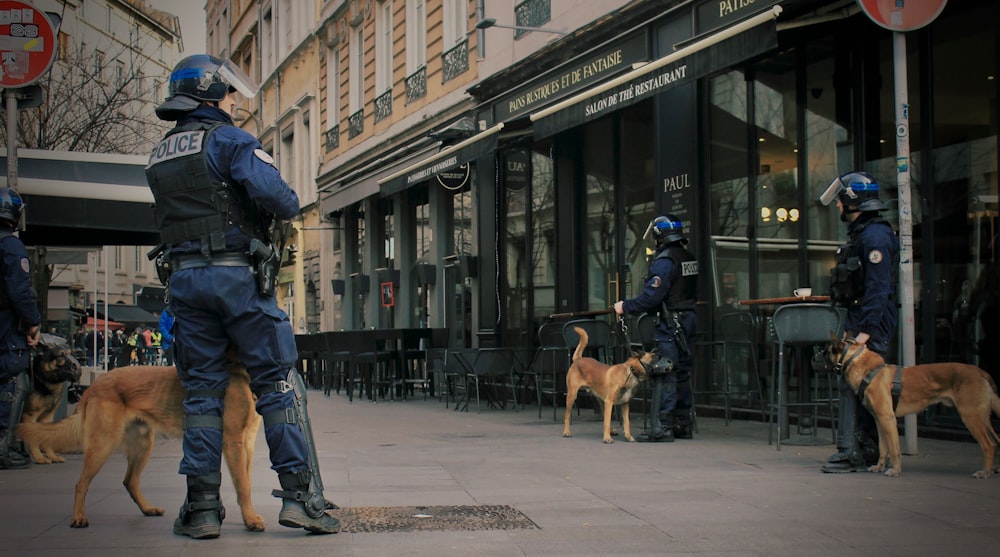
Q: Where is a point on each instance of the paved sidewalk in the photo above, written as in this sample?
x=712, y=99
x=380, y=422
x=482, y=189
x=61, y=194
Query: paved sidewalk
x=724, y=493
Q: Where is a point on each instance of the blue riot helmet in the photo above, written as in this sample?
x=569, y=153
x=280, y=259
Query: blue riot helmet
x=666, y=229
x=854, y=189
x=11, y=206
x=199, y=78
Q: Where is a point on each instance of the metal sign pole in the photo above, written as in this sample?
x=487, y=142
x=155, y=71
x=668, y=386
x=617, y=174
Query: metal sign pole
x=905, y=224
x=11, y=105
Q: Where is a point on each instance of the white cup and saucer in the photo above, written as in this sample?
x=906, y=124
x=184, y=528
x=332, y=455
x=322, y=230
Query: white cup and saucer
x=803, y=292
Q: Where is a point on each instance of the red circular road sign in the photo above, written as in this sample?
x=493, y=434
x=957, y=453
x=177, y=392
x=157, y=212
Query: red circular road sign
x=27, y=43
x=902, y=15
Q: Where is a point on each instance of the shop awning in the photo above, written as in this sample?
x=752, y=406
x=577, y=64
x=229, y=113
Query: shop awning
x=447, y=159
x=364, y=183
x=127, y=314
x=100, y=324
x=720, y=50
x=84, y=199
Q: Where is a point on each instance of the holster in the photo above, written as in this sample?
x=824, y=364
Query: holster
x=158, y=255
x=265, y=267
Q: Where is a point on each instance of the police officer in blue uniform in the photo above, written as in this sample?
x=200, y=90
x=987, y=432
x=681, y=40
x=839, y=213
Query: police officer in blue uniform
x=216, y=194
x=20, y=322
x=864, y=282
x=670, y=292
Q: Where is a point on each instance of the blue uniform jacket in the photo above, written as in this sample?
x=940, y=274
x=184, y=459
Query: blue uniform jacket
x=23, y=301
x=875, y=314
x=653, y=293
x=236, y=157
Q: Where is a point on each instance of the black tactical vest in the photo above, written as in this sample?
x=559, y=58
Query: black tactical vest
x=189, y=204
x=847, y=278
x=684, y=282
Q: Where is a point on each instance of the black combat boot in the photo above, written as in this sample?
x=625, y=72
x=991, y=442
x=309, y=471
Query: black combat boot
x=302, y=509
x=202, y=513
x=10, y=457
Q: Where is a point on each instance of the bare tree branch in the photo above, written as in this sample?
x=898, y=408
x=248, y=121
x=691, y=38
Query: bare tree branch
x=97, y=103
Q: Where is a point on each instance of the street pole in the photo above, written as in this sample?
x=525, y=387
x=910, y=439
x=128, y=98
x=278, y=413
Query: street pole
x=11, y=105
x=905, y=224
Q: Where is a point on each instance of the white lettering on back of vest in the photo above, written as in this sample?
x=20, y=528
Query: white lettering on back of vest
x=177, y=145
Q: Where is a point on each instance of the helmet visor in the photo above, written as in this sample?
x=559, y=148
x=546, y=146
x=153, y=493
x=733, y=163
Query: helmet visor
x=649, y=230
x=836, y=186
x=237, y=79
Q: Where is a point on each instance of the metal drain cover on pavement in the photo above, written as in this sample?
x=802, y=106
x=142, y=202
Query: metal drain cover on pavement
x=416, y=519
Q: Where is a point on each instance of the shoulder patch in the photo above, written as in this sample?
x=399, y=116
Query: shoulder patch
x=262, y=155
x=24, y=265
x=655, y=281
x=875, y=256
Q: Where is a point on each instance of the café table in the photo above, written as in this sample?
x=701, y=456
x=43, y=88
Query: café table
x=778, y=405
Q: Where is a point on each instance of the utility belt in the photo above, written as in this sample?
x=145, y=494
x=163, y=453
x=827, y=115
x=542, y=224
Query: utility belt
x=198, y=260
x=262, y=259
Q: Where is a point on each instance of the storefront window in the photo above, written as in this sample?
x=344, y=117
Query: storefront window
x=729, y=209
x=638, y=183
x=542, y=261
x=829, y=152
x=598, y=239
x=778, y=216
x=963, y=200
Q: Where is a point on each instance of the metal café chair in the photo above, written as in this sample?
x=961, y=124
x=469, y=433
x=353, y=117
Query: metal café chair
x=736, y=344
x=549, y=364
x=799, y=326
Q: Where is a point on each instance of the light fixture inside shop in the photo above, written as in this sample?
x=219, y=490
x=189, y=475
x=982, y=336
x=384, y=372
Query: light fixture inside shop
x=781, y=214
x=488, y=22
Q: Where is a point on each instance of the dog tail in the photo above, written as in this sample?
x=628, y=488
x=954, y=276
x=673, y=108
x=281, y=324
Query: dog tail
x=583, y=343
x=61, y=436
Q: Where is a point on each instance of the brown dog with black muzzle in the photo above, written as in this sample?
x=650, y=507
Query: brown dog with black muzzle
x=966, y=387
x=611, y=385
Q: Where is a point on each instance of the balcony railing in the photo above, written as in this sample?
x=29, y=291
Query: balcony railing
x=356, y=124
x=455, y=61
x=332, y=138
x=383, y=106
x=531, y=13
x=416, y=84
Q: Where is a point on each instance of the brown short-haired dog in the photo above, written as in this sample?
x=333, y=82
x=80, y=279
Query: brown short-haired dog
x=126, y=407
x=969, y=389
x=611, y=385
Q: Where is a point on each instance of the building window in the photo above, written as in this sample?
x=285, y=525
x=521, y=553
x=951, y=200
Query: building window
x=416, y=36
x=383, y=48
x=332, y=89
x=287, y=155
x=267, y=42
x=531, y=13
x=456, y=22
x=356, y=66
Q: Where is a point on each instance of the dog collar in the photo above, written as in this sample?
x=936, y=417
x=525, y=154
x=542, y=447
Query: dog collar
x=842, y=364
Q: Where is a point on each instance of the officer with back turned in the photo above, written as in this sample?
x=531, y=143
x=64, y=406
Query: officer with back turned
x=216, y=193
x=19, y=329
x=864, y=282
